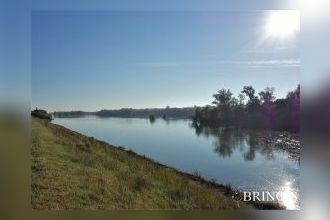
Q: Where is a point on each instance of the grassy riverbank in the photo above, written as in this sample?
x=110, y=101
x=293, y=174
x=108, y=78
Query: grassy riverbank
x=73, y=171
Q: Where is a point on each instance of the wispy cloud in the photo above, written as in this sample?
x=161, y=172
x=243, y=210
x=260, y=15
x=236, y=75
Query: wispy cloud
x=268, y=63
x=277, y=63
x=271, y=50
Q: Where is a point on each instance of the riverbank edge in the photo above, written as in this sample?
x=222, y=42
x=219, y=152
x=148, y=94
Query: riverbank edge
x=229, y=191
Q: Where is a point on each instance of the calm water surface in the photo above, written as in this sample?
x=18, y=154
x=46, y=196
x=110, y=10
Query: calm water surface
x=228, y=156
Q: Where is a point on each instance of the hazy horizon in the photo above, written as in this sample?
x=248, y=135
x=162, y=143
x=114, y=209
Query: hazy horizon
x=111, y=108
x=128, y=107
x=93, y=60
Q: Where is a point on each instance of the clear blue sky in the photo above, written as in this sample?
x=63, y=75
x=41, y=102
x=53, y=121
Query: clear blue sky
x=91, y=60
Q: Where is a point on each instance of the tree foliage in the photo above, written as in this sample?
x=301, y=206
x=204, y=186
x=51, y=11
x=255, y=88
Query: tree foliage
x=263, y=112
x=42, y=114
x=267, y=96
x=165, y=113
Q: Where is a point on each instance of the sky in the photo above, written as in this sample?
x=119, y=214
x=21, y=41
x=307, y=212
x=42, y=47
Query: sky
x=92, y=60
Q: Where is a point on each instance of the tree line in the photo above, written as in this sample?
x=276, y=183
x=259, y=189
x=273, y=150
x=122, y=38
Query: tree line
x=260, y=111
x=42, y=114
x=168, y=112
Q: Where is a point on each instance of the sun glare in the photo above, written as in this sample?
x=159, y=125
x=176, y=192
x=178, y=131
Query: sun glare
x=282, y=24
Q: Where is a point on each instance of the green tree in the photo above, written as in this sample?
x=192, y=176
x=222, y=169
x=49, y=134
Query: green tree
x=249, y=91
x=253, y=103
x=223, y=98
x=267, y=96
x=241, y=99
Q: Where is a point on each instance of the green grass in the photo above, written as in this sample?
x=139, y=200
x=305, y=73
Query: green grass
x=73, y=171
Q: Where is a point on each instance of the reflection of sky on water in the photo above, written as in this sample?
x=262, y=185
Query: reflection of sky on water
x=243, y=159
x=288, y=196
x=250, y=144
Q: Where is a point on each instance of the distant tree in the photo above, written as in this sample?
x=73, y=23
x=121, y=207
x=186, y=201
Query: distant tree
x=222, y=98
x=241, y=99
x=249, y=91
x=225, y=105
x=254, y=103
x=268, y=107
x=294, y=94
x=265, y=112
x=267, y=96
x=42, y=114
x=294, y=106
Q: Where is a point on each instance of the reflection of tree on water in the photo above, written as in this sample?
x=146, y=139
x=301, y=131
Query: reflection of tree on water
x=227, y=140
x=255, y=144
x=250, y=155
x=152, y=119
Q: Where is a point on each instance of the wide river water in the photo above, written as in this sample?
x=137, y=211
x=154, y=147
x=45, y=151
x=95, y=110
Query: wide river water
x=228, y=156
